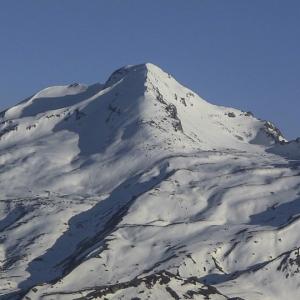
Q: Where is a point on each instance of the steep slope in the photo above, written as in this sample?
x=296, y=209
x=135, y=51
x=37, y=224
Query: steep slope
x=140, y=189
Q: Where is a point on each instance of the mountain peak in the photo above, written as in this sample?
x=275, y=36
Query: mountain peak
x=140, y=69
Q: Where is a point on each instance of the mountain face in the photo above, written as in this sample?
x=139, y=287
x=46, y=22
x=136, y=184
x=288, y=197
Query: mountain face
x=139, y=189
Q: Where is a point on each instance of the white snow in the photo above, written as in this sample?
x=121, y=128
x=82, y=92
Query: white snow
x=140, y=188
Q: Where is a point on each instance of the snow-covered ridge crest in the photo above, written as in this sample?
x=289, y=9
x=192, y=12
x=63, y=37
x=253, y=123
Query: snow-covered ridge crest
x=150, y=96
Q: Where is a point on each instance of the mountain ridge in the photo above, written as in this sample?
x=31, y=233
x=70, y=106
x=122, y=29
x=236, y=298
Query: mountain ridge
x=73, y=89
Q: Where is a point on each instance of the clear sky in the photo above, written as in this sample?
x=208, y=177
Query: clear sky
x=239, y=53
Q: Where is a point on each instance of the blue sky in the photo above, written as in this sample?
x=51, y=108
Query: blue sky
x=239, y=53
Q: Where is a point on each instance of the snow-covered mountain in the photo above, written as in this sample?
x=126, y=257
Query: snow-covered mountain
x=140, y=189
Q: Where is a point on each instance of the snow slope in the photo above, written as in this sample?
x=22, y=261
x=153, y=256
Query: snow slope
x=140, y=189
